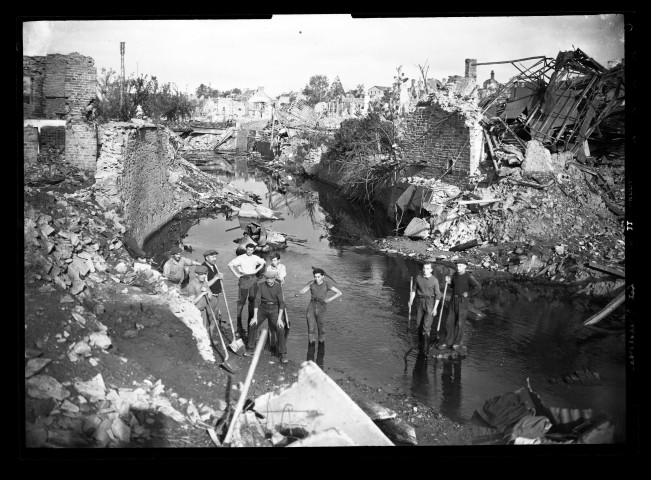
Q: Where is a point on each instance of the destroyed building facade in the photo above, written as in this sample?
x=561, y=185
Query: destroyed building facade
x=57, y=89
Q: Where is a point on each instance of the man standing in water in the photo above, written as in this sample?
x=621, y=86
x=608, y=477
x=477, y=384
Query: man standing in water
x=426, y=288
x=462, y=282
x=277, y=267
x=269, y=304
x=248, y=265
x=316, y=310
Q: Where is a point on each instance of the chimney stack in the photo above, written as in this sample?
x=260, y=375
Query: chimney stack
x=471, y=68
x=492, y=75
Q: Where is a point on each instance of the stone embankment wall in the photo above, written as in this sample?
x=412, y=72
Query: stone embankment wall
x=60, y=87
x=135, y=176
x=439, y=140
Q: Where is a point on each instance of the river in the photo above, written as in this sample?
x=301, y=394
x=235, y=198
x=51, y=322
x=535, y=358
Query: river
x=521, y=335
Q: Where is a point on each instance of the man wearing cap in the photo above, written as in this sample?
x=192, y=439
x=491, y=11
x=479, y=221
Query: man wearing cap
x=245, y=267
x=426, y=288
x=316, y=309
x=277, y=268
x=214, y=276
x=199, y=290
x=462, y=284
x=177, y=268
x=269, y=304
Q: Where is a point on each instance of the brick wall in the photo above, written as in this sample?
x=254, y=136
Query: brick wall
x=34, y=68
x=81, y=145
x=52, y=137
x=438, y=138
x=62, y=85
x=30, y=144
x=133, y=175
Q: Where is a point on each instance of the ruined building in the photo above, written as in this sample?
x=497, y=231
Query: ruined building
x=57, y=89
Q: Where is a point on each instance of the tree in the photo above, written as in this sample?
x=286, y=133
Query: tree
x=359, y=91
x=203, y=91
x=316, y=90
x=336, y=89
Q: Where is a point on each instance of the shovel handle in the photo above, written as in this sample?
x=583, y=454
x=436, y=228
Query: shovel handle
x=247, y=384
x=445, y=290
x=218, y=331
x=227, y=309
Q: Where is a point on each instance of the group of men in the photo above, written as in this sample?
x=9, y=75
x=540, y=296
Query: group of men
x=426, y=290
x=266, y=299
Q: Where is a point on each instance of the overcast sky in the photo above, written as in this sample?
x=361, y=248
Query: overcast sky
x=282, y=53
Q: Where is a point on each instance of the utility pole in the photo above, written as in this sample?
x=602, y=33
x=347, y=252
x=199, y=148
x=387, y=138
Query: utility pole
x=121, y=75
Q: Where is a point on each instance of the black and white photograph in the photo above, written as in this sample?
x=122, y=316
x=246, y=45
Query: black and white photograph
x=436, y=206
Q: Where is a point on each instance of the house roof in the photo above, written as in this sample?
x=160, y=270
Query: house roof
x=380, y=88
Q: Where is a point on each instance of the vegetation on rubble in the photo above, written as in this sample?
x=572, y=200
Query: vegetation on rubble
x=158, y=101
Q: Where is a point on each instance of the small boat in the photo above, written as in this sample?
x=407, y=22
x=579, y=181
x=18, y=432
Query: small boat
x=264, y=239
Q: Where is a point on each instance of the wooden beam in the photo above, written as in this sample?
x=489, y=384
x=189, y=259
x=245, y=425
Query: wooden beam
x=606, y=310
x=607, y=269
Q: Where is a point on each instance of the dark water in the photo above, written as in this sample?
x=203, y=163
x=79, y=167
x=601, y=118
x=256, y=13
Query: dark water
x=523, y=334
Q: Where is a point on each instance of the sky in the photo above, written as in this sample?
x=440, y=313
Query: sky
x=281, y=54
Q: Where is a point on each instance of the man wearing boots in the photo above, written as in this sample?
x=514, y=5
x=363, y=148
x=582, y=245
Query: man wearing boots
x=248, y=265
x=269, y=305
x=462, y=283
x=426, y=289
x=316, y=309
x=202, y=297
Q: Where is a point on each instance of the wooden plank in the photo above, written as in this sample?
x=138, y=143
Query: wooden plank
x=607, y=269
x=606, y=310
x=485, y=200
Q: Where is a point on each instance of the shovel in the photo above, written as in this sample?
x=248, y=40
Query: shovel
x=445, y=290
x=225, y=363
x=245, y=387
x=237, y=345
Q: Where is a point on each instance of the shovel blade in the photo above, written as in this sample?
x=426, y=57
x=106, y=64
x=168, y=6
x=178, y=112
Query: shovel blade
x=228, y=367
x=237, y=346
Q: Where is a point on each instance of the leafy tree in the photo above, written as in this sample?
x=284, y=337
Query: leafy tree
x=336, y=89
x=316, y=90
x=203, y=91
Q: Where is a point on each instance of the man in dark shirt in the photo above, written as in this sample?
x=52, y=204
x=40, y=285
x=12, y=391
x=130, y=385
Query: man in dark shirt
x=215, y=277
x=426, y=289
x=462, y=283
x=202, y=297
x=316, y=309
x=268, y=304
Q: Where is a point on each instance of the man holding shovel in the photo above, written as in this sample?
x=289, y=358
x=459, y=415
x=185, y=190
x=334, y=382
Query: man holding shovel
x=248, y=265
x=202, y=297
x=269, y=304
x=214, y=275
x=426, y=289
x=462, y=283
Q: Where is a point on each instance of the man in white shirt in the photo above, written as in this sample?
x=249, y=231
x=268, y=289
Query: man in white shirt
x=245, y=267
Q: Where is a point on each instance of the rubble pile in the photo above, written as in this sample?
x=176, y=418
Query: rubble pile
x=450, y=100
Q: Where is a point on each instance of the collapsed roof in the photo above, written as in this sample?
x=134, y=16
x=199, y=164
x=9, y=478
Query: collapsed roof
x=559, y=102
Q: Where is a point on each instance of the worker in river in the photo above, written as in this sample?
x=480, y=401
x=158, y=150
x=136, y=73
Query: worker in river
x=177, y=268
x=316, y=310
x=268, y=304
x=426, y=289
x=277, y=267
x=462, y=284
x=247, y=265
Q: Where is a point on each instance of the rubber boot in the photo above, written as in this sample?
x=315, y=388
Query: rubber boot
x=320, y=354
x=425, y=345
x=310, y=351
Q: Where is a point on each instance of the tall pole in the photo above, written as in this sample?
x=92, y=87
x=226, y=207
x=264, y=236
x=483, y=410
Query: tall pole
x=121, y=75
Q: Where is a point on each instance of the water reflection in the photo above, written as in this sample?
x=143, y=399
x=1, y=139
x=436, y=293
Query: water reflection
x=420, y=385
x=451, y=389
x=320, y=353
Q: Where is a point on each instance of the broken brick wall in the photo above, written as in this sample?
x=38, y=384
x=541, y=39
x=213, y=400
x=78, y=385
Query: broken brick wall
x=58, y=86
x=52, y=137
x=438, y=139
x=30, y=144
x=133, y=176
x=81, y=145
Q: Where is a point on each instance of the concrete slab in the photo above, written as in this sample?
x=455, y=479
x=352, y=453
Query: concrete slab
x=315, y=404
